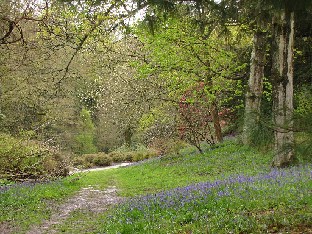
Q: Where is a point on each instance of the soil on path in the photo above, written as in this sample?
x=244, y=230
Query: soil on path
x=124, y=164
x=89, y=199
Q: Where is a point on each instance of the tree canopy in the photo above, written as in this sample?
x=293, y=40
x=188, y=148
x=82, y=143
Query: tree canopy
x=88, y=76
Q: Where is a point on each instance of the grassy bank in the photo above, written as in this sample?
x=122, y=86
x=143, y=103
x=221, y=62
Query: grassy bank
x=227, y=189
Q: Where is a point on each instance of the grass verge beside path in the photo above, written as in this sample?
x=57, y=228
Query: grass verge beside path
x=25, y=205
x=190, y=167
x=178, y=181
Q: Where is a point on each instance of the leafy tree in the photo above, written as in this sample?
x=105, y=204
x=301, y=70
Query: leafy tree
x=85, y=138
x=183, y=56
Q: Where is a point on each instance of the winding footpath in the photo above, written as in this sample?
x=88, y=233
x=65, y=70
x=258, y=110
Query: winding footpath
x=89, y=199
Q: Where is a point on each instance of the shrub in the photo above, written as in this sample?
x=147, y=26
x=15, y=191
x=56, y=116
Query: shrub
x=138, y=156
x=91, y=160
x=27, y=159
x=57, y=164
x=84, y=161
x=102, y=159
x=117, y=156
x=167, y=146
x=128, y=156
x=146, y=154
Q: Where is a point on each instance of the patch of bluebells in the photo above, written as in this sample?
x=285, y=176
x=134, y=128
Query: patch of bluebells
x=208, y=195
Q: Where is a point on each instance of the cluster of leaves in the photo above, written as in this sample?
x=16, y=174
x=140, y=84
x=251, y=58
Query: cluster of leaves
x=92, y=160
x=22, y=158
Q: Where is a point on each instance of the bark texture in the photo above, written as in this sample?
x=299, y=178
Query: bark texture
x=255, y=87
x=282, y=72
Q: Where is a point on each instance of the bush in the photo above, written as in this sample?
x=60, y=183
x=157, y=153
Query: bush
x=26, y=159
x=102, y=159
x=146, y=154
x=168, y=146
x=138, y=156
x=57, y=164
x=84, y=161
x=91, y=160
x=117, y=156
x=128, y=156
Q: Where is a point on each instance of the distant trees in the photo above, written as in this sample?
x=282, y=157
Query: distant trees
x=84, y=140
x=139, y=81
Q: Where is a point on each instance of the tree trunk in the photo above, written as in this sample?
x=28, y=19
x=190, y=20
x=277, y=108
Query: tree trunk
x=255, y=87
x=282, y=72
x=216, y=122
x=128, y=136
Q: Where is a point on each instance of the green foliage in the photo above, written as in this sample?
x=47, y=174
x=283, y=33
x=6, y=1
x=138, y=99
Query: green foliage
x=84, y=161
x=262, y=137
x=85, y=138
x=102, y=159
x=169, y=146
x=302, y=119
x=142, y=155
x=184, y=57
x=91, y=160
x=303, y=101
x=186, y=60
x=117, y=156
x=22, y=158
x=158, y=125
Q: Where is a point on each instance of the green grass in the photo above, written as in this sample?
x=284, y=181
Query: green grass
x=257, y=209
x=26, y=205
x=189, y=167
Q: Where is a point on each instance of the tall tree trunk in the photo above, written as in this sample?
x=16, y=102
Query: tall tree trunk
x=282, y=72
x=255, y=87
x=216, y=122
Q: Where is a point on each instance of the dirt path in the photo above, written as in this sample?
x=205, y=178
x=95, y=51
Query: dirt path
x=100, y=168
x=90, y=199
